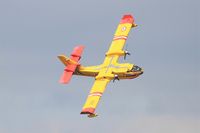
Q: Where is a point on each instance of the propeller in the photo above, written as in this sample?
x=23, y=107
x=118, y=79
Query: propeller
x=125, y=54
x=116, y=78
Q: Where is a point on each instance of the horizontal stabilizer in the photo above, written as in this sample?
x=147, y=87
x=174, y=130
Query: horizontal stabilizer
x=67, y=74
x=67, y=61
x=65, y=78
x=70, y=63
x=76, y=53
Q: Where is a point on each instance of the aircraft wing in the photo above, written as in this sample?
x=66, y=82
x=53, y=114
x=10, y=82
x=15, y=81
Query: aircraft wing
x=94, y=96
x=120, y=37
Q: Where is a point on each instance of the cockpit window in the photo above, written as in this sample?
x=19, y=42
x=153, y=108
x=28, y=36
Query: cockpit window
x=136, y=68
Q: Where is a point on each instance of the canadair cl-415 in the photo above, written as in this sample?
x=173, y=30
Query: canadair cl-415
x=109, y=70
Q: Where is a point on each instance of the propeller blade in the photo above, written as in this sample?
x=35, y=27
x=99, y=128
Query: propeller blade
x=126, y=53
x=125, y=56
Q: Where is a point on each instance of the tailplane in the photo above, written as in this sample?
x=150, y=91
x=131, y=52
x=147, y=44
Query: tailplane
x=70, y=63
x=66, y=60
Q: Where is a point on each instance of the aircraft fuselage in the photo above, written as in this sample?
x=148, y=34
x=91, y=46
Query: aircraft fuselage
x=111, y=71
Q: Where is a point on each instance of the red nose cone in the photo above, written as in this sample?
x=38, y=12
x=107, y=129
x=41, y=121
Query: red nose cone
x=127, y=19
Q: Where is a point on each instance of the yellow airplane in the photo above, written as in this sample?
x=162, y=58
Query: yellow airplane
x=109, y=70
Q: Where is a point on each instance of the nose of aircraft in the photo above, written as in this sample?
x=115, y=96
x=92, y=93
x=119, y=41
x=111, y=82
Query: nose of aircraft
x=138, y=70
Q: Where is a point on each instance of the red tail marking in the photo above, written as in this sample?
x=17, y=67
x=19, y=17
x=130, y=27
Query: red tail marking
x=77, y=52
x=65, y=78
x=70, y=69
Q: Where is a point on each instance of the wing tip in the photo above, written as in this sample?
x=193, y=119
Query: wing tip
x=88, y=111
x=127, y=18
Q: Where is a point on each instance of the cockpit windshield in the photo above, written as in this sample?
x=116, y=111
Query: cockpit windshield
x=136, y=68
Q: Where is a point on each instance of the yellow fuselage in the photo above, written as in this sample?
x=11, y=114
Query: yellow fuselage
x=110, y=69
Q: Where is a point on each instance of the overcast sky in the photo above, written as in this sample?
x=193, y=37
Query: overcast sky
x=166, y=44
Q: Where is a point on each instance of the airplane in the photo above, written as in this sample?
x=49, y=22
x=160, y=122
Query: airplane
x=109, y=70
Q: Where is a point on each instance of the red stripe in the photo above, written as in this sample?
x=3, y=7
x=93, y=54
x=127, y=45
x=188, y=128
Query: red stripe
x=96, y=94
x=120, y=38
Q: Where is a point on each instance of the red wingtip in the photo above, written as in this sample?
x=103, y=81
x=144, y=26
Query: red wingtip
x=127, y=19
x=88, y=111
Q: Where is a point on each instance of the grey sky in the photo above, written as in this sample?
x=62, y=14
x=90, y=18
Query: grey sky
x=164, y=99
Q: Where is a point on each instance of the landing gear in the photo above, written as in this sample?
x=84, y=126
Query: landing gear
x=116, y=77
